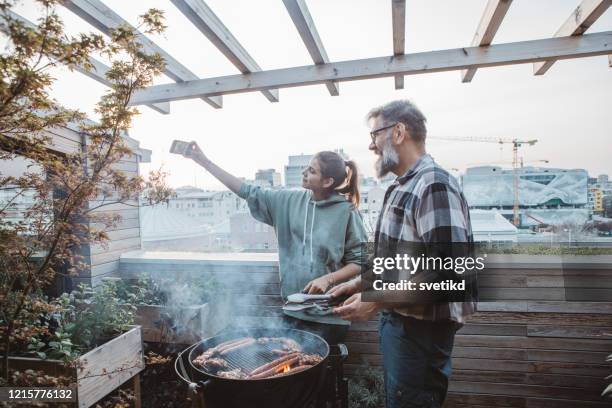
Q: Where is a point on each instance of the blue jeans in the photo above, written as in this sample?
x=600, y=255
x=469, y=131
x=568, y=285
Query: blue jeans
x=416, y=360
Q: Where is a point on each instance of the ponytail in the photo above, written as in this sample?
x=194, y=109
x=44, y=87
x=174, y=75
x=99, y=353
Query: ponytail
x=344, y=173
x=351, y=186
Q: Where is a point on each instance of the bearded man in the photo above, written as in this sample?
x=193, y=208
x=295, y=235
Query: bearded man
x=425, y=204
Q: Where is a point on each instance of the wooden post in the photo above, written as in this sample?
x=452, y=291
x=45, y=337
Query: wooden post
x=137, y=400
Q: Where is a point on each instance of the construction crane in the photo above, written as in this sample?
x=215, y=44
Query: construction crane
x=516, y=143
x=509, y=162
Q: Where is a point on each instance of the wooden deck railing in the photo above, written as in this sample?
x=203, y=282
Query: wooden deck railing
x=535, y=347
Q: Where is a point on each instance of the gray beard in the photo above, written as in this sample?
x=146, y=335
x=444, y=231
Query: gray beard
x=387, y=161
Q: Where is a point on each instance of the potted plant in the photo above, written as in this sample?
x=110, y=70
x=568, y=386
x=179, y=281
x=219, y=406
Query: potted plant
x=88, y=336
x=171, y=311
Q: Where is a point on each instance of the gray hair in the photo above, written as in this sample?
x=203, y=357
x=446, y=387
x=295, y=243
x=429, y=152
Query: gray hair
x=405, y=112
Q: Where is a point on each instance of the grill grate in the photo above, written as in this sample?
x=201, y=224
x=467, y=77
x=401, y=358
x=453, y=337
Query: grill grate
x=250, y=357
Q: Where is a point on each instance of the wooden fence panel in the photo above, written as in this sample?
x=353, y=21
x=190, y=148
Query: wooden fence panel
x=542, y=351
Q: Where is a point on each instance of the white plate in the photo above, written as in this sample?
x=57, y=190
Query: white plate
x=303, y=297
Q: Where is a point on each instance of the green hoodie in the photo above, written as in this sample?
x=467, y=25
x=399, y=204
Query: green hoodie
x=314, y=237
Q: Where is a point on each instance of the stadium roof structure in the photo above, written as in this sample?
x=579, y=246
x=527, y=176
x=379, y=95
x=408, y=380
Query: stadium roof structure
x=568, y=42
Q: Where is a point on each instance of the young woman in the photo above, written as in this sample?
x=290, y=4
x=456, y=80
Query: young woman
x=321, y=237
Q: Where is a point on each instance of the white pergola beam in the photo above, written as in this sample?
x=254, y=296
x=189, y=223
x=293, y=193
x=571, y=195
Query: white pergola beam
x=409, y=64
x=98, y=73
x=491, y=19
x=577, y=23
x=398, y=19
x=104, y=19
x=298, y=11
x=98, y=70
x=205, y=20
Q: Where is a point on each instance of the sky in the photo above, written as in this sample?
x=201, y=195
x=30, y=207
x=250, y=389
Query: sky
x=568, y=109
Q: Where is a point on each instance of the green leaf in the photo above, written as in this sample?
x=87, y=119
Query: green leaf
x=607, y=391
x=41, y=355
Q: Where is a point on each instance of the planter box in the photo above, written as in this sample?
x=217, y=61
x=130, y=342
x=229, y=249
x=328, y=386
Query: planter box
x=99, y=371
x=179, y=325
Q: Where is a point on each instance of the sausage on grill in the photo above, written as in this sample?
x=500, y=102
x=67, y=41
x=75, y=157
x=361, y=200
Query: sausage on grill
x=215, y=364
x=236, y=346
x=310, y=359
x=274, y=370
x=293, y=370
x=274, y=363
x=230, y=345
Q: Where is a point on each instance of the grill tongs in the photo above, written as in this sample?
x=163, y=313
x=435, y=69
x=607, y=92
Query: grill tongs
x=316, y=303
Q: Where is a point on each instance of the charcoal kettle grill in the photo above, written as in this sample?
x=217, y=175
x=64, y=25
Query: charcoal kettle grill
x=315, y=386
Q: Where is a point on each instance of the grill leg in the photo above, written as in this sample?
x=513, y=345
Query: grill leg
x=326, y=395
x=331, y=387
x=321, y=403
x=198, y=401
x=343, y=391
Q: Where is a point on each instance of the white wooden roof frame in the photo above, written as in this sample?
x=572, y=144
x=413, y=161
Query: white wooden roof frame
x=298, y=11
x=577, y=23
x=568, y=42
x=205, y=20
x=491, y=19
x=104, y=19
x=410, y=64
x=398, y=22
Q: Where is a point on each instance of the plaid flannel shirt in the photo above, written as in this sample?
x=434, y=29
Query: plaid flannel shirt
x=426, y=205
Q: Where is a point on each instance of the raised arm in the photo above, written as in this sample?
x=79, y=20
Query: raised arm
x=229, y=180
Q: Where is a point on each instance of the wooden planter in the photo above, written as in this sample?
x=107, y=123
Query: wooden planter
x=99, y=371
x=179, y=325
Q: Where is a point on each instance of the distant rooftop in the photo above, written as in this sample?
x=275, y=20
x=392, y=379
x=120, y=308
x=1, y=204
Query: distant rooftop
x=161, y=223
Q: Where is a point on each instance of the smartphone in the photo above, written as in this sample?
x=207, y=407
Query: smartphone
x=181, y=147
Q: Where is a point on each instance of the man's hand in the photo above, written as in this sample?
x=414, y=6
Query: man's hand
x=354, y=309
x=345, y=289
x=318, y=285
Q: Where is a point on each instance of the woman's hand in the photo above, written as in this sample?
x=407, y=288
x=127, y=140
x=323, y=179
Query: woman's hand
x=196, y=154
x=230, y=181
x=319, y=285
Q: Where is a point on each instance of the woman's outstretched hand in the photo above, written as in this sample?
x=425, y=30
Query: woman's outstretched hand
x=196, y=154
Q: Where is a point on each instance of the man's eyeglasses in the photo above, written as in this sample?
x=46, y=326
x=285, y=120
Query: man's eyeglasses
x=375, y=131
